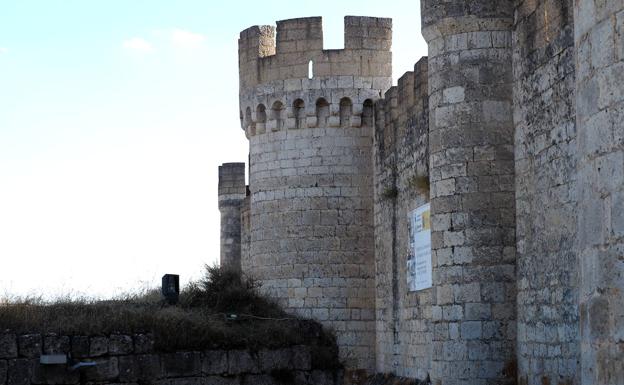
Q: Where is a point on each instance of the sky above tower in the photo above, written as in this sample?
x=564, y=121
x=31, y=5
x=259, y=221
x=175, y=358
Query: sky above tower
x=114, y=116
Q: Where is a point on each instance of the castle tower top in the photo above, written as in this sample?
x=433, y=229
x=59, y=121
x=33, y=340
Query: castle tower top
x=288, y=80
x=265, y=55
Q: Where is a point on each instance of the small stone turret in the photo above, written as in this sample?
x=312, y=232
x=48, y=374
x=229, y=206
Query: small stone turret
x=232, y=191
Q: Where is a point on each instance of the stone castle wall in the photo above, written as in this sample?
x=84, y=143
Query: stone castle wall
x=401, y=158
x=599, y=45
x=132, y=359
x=472, y=190
x=512, y=130
x=546, y=199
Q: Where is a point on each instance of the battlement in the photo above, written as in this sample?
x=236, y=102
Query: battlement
x=402, y=116
x=267, y=53
x=289, y=81
x=408, y=97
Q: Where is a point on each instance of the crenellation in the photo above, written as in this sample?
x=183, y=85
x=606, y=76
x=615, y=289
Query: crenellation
x=300, y=41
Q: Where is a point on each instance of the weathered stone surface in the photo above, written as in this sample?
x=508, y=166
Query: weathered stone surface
x=215, y=362
x=211, y=380
x=8, y=346
x=3, y=371
x=545, y=156
x=143, y=343
x=401, y=159
x=19, y=371
x=120, y=344
x=599, y=43
x=275, y=359
x=98, y=346
x=54, y=344
x=470, y=48
x=53, y=374
x=142, y=367
x=301, y=358
x=105, y=370
x=30, y=345
x=222, y=380
x=242, y=361
x=182, y=364
x=80, y=346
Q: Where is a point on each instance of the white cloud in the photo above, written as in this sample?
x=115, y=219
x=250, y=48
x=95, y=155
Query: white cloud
x=138, y=44
x=3, y=50
x=187, y=39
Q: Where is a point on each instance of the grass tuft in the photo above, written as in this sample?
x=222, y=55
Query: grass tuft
x=200, y=320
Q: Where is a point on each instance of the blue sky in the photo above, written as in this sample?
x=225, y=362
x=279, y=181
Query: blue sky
x=114, y=116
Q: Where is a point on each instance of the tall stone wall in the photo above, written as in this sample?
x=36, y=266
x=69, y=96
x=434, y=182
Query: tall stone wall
x=232, y=190
x=472, y=191
x=311, y=178
x=599, y=41
x=546, y=200
x=401, y=158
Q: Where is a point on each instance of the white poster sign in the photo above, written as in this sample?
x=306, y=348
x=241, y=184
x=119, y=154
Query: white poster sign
x=419, y=271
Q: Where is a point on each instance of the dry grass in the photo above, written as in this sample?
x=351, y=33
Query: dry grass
x=198, y=322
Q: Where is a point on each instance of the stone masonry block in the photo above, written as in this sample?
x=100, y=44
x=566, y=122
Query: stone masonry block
x=54, y=344
x=444, y=294
x=143, y=343
x=301, y=357
x=105, y=370
x=471, y=330
x=478, y=311
x=182, y=364
x=278, y=359
x=80, y=346
x=261, y=379
x=53, y=374
x=120, y=344
x=19, y=372
x=452, y=312
x=3, y=371
x=8, y=346
x=98, y=346
x=216, y=380
x=242, y=361
x=30, y=345
x=144, y=367
x=214, y=362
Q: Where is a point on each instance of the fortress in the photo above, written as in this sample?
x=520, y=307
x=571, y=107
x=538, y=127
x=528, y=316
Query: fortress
x=466, y=225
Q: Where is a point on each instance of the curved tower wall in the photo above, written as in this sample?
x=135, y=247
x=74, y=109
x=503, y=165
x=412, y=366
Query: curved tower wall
x=599, y=42
x=472, y=190
x=311, y=178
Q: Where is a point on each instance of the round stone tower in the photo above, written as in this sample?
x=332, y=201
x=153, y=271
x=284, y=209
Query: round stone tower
x=472, y=192
x=308, y=115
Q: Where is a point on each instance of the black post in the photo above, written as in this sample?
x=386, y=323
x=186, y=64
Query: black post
x=171, y=288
